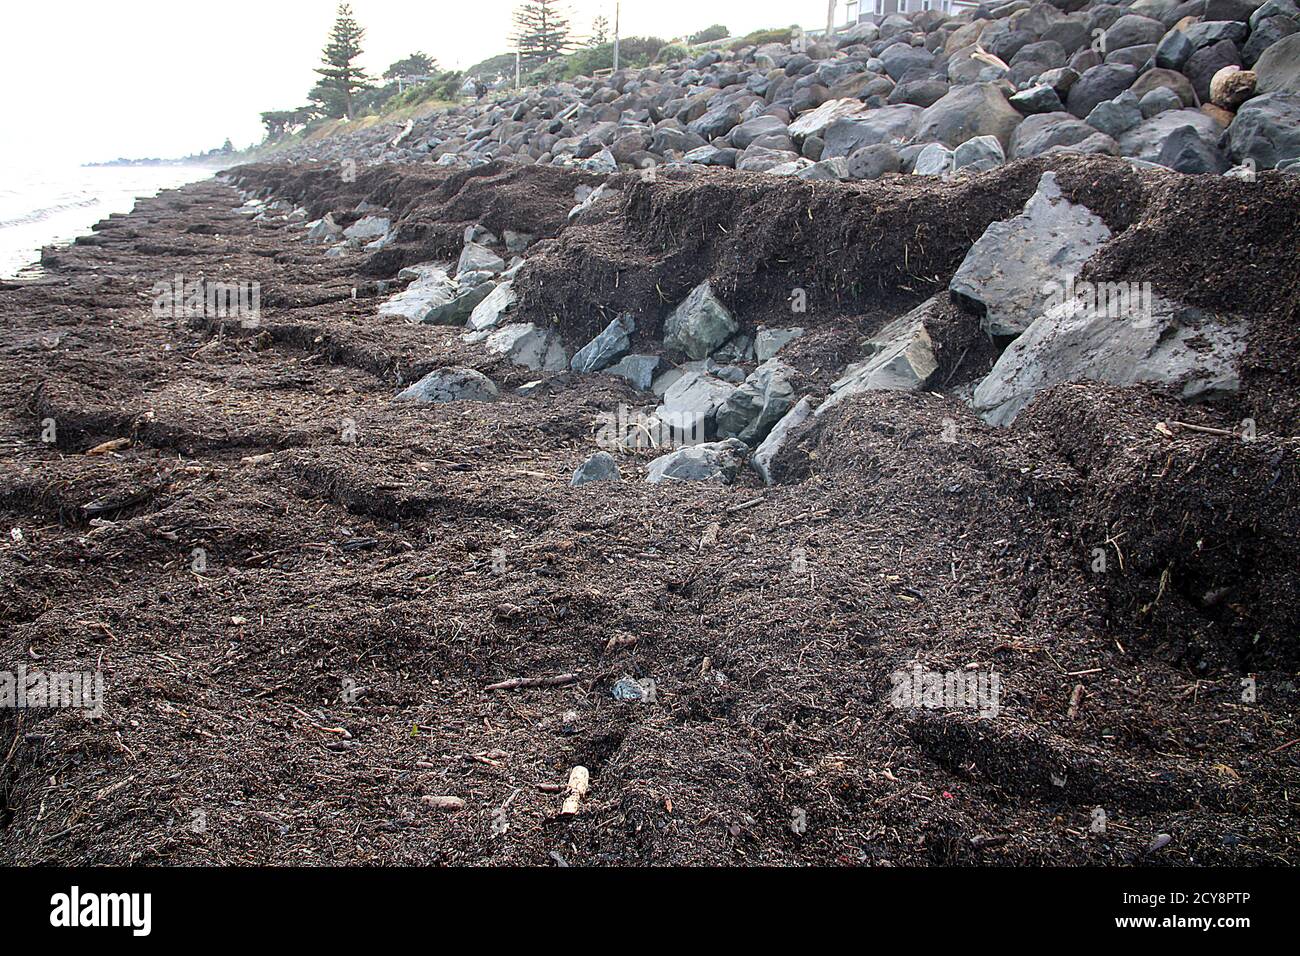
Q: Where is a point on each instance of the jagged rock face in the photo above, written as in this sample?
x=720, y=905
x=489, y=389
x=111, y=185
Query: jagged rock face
x=1123, y=336
x=765, y=453
x=699, y=324
x=368, y=227
x=901, y=358
x=476, y=257
x=1146, y=140
x=460, y=306
x=606, y=348
x=1267, y=130
x=967, y=112
x=690, y=404
x=1006, y=272
x=637, y=370
x=767, y=342
x=451, y=384
x=489, y=312
x=758, y=404
x=525, y=344
x=431, y=289
x=717, y=461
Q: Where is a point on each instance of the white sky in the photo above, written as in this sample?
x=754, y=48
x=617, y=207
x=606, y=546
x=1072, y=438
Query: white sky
x=90, y=80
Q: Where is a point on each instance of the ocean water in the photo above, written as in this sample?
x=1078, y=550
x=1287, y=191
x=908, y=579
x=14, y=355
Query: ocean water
x=50, y=204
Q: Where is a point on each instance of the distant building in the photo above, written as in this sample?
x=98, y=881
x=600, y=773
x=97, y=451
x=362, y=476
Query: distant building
x=883, y=8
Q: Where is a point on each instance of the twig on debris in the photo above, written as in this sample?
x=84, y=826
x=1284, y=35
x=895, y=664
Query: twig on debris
x=554, y=680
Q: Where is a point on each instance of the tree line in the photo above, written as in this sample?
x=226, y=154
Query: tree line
x=542, y=33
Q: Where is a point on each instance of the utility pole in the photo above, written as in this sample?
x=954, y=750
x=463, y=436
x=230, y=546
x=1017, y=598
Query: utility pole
x=830, y=19
x=517, y=58
x=616, y=5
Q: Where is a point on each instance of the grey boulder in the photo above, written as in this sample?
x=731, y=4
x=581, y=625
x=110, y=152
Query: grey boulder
x=765, y=453
x=900, y=358
x=525, y=344
x=1005, y=274
x=717, y=462
x=1267, y=130
x=607, y=347
x=700, y=323
x=757, y=404
x=450, y=384
x=599, y=467
x=1117, y=340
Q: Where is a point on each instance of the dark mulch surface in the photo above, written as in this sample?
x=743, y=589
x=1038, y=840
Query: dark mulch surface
x=293, y=696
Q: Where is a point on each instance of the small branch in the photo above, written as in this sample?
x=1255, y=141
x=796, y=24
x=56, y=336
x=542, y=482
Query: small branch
x=556, y=680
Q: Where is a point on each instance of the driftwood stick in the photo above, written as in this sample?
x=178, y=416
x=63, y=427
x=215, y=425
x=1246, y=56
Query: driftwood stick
x=555, y=680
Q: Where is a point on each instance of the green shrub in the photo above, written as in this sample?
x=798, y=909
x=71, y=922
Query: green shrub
x=759, y=37
x=671, y=53
x=709, y=34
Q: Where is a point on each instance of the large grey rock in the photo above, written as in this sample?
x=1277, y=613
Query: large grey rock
x=1146, y=140
x=525, y=344
x=1004, y=274
x=750, y=130
x=1278, y=68
x=1037, y=134
x=607, y=347
x=934, y=160
x=1206, y=62
x=1165, y=79
x=767, y=342
x=766, y=452
x=368, y=227
x=1187, y=152
x=872, y=162
x=699, y=324
x=834, y=169
x=494, y=306
x=1131, y=30
x=979, y=109
x=1267, y=130
x=460, y=307
x=717, y=461
x=889, y=124
x=1121, y=338
x=1208, y=32
x=637, y=370
x=758, y=403
x=1037, y=99
x=476, y=257
x=324, y=229
x=900, y=358
x=1116, y=117
x=431, y=289
x=1174, y=50
x=1269, y=32
x=815, y=122
x=760, y=159
x=978, y=154
x=1275, y=8
x=690, y=404
x=450, y=384
x=1159, y=101
x=599, y=467
x=899, y=58
x=1103, y=82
